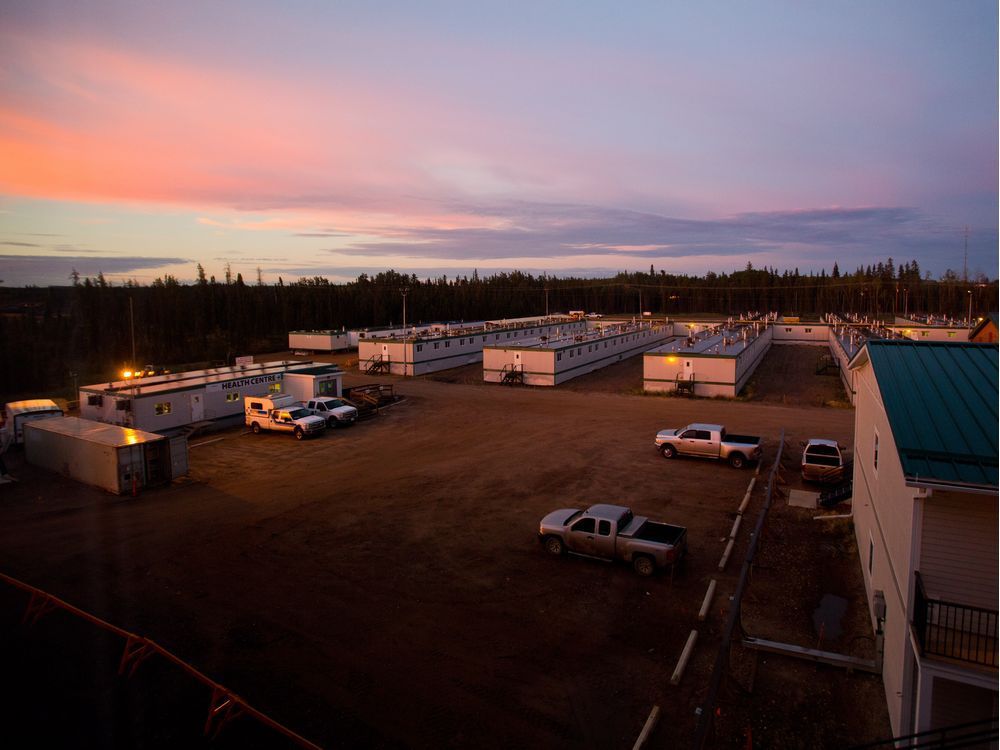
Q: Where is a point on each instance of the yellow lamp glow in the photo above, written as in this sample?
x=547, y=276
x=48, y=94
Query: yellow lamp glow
x=127, y=374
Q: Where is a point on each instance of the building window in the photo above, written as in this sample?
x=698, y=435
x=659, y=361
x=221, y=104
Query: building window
x=95, y=400
x=163, y=408
x=436, y=344
x=484, y=339
x=327, y=388
x=788, y=330
x=925, y=334
x=571, y=354
x=274, y=388
x=951, y=334
x=420, y=347
x=875, y=462
x=558, y=356
x=580, y=350
x=447, y=344
x=809, y=330
x=230, y=397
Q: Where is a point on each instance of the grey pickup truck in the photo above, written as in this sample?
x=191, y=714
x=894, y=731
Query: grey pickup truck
x=611, y=532
x=709, y=441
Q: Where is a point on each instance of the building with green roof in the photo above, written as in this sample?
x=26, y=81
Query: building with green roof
x=925, y=516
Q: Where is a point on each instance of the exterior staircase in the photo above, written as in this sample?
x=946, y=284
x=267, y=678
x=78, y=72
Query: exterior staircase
x=512, y=374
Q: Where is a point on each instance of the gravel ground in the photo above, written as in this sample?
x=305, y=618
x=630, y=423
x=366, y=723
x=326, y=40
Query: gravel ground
x=382, y=586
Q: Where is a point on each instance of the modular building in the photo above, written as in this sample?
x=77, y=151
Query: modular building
x=456, y=346
x=310, y=382
x=929, y=328
x=711, y=363
x=554, y=360
x=169, y=402
x=117, y=459
x=319, y=341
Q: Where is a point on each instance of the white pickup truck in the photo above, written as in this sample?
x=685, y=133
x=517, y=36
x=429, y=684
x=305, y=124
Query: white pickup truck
x=709, y=441
x=281, y=412
x=336, y=411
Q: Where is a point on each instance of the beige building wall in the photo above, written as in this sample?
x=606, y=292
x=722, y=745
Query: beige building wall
x=932, y=333
x=884, y=524
x=800, y=333
x=958, y=548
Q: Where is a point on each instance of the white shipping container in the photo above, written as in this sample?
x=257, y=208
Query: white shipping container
x=118, y=459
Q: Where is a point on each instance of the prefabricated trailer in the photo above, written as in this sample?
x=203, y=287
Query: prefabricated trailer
x=118, y=459
x=167, y=403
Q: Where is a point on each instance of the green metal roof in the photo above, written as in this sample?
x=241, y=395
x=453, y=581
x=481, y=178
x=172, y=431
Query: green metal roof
x=941, y=400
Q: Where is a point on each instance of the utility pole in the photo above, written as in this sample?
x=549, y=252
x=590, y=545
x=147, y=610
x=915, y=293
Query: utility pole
x=405, y=290
x=965, y=263
x=131, y=320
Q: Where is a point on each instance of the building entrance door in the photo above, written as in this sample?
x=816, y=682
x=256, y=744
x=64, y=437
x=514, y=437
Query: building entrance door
x=197, y=408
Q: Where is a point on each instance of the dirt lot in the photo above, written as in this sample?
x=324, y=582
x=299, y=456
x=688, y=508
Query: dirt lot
x=382, y=586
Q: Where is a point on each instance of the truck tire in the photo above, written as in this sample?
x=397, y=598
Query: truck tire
x=737, y=460
x=255, y=428
x=643, y=565
x=554, y=546
x=299, y=434
x=668, y=450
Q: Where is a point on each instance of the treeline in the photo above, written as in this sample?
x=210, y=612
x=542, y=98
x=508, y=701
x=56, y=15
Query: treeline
x=57, y=336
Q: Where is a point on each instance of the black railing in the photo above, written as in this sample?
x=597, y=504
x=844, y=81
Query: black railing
x=973, y=734
x=954, y=631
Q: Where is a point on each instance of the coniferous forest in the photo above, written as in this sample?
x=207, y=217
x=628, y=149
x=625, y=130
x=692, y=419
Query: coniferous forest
x=56, y=337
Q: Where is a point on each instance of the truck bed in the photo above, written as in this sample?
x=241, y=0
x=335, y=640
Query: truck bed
x=664, y=533
x=745, y=439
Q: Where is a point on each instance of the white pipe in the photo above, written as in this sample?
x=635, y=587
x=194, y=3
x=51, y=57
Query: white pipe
x=685, y=655
x=709, y=594
x=841, y=515
x=725, y=555
x=647, y=728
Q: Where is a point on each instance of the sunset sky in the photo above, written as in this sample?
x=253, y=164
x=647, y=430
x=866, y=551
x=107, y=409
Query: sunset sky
x=335, y=138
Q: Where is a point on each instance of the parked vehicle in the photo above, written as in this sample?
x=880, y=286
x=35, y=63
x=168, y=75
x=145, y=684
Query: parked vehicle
x=18, y=413
x=612, y=532
x=709, y=441
x=281, y=412
x=336, y=411
x=823, y=461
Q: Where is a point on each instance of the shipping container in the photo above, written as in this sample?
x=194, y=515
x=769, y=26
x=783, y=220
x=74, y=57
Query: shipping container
x=117, y=459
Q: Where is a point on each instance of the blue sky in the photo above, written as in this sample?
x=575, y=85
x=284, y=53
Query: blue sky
x=567, y=138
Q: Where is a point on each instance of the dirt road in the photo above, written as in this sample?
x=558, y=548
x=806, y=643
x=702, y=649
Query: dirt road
x=382, y=585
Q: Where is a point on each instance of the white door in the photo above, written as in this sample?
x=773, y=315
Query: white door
x=688, y=369
x=385, y=352
x=197, y=408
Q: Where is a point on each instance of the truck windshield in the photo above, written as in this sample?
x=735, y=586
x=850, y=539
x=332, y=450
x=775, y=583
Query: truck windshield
x=625, y=520
x=298, y=413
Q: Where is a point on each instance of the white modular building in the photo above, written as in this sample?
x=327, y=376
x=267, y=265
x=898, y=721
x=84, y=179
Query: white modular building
x=318, y=341
x=170, y=402
x=715, y=362
x=117, y=459
x=808, y=334
x=554, y=360
x=455, y=346
x=317, y=380
x=929, y=328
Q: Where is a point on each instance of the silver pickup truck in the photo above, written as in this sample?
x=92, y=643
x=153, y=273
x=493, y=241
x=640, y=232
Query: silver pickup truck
x=611, y=532
x=709, y=441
